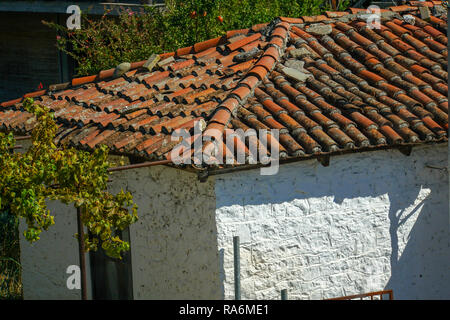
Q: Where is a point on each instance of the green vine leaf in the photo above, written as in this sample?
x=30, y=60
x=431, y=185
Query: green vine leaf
x=47, y=172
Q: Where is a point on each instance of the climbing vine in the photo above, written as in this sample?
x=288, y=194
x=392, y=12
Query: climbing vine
x=47, y=172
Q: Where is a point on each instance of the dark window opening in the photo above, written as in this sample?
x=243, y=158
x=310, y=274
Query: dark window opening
x=112, y=278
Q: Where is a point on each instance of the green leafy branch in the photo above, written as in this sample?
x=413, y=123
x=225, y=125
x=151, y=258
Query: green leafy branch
x=47, y=172
x=103, y=43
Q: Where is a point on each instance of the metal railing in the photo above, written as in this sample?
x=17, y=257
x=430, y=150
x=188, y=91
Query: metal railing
x=376, y=295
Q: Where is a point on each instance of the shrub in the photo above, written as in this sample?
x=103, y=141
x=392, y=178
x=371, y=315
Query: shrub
x=105, y=42
x=10, y=269
x=47, y=172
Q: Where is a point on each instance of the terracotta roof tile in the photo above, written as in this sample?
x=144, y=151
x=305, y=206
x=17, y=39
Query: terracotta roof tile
x=277, y=41
x=259, y=27
x=267, y=62
x=182, y=64
x=315, y=19
x=222, y=116
x=184, y=51
x=237, y=44
x=233, y=33
x=292, y=20
x=336, y=14
x=250, y=81
x=280, y=31
x=356, y=10
x=402, y=8
x=259, y=72
x=202, y=46
x=365, y=88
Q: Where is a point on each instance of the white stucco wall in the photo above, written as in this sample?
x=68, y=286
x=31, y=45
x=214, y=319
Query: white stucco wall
x=369, y=221
x=45, y=262
x=174, y=243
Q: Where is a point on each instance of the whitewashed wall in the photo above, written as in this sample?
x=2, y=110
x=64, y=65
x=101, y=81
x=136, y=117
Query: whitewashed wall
x=370, y=221
x=45, y=262
x=174, y=242
x=367, y=222
x=173, y=245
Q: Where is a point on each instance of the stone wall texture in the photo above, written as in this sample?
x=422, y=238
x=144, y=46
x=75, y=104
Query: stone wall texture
x=369, y=221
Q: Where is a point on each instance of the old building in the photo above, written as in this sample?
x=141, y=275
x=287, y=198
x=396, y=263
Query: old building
x=357, y=117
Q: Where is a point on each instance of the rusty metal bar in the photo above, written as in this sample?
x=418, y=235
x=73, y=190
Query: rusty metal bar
x=391, y=295
x=140, y=165
x=237, y=268
x=365, y=295
x=81, y=251
x=22, y=138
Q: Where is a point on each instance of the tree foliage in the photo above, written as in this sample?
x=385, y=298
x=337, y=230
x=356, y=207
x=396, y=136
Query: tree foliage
x=104, y=43
x=47, y=172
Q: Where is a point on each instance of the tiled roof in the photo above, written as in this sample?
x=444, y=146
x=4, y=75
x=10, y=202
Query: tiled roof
x=363, y=88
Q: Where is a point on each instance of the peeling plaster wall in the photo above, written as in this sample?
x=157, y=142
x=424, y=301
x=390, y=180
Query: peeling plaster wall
x=369, y=221
x=174, y=242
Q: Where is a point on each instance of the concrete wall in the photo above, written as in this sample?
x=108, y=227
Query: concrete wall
x=45, y=262
x=369, y=221
x=174, y=243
